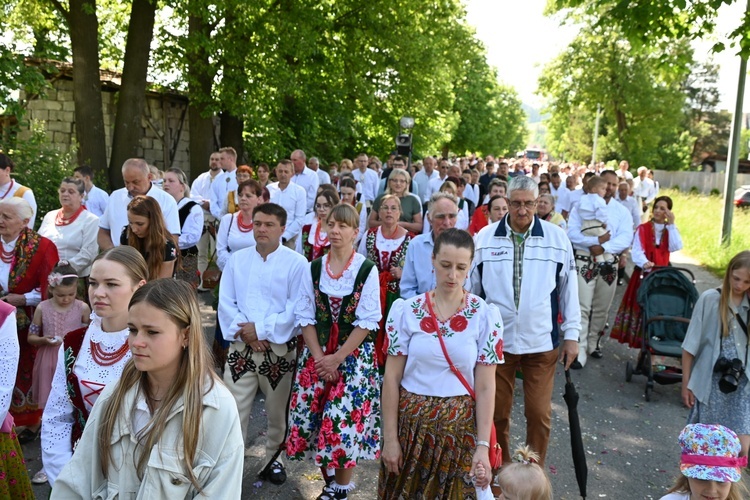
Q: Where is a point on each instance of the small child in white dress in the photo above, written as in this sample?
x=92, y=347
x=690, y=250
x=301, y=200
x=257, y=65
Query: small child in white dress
x=593, y=211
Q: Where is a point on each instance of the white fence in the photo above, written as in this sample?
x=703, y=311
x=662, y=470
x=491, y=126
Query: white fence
x=703, y=181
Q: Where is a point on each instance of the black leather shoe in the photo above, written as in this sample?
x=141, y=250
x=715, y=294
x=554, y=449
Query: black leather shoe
x=576, y=365
x=597, y=354
x=620, y=282
x=277, y=474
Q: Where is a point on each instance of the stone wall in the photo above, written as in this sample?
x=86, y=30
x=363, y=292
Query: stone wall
x=165, y=141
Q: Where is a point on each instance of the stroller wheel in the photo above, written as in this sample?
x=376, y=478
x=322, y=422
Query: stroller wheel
x=628, y=371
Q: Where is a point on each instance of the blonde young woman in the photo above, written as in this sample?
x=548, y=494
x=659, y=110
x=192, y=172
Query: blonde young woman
x=169, y=427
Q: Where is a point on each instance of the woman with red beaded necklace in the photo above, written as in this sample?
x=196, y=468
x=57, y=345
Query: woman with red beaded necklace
x=236, y=230
x=73, y=229
x=26, y=261
x=386, y=246
x=91, y=357
x=313, y=241
x=335, y=403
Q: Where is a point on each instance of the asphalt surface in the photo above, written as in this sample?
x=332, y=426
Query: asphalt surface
x=631, y=444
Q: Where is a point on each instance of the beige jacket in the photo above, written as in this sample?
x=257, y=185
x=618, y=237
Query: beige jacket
x=218, y=464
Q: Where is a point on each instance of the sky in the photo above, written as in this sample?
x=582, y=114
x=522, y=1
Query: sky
x=519, y=40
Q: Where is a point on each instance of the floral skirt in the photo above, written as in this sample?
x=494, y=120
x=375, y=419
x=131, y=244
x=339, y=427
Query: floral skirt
x=438, y=438
x=628, y=325
x=340, y=424
x=14, y=478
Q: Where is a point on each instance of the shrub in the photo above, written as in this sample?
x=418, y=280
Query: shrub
x=695, y=190
x=715, y=192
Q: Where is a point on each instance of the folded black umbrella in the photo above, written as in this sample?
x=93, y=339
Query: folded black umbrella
x=576, y=439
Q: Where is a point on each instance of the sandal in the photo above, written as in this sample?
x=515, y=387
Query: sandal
x=40, y=477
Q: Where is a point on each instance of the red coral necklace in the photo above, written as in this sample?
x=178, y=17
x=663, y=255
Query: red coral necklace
x=61, y=220
x=244, y=228
x=104, y=358
x=339, y=275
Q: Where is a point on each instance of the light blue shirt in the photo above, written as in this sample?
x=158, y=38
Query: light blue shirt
x=418, y=275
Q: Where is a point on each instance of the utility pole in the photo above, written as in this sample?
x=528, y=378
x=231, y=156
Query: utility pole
x=734, y=154
x=596, y=131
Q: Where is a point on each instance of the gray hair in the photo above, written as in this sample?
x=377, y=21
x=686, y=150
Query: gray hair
x=76, y=182
x=315, y=158
x=549, y=198
x=523, y=183
x=138, y=163
x=441, y=196
x=299, y=153
x=20, y=206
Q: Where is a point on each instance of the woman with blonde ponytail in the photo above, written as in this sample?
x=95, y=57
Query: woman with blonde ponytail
x=169, y=428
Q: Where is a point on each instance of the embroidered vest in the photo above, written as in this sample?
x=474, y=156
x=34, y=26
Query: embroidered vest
x=307, y=249
x=183, y=213
x=396, y=259
x=349, y=304
x=72, y=343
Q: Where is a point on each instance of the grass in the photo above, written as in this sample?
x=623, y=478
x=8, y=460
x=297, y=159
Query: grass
x=699, y=219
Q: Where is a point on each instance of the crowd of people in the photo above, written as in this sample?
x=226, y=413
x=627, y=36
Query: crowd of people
x=344, y=295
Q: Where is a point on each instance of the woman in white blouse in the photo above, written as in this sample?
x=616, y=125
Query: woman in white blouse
x=191, y=224
x=91, y=357
x=236, y=230
x=653, y=243
x=72, y=228
x=335, y=404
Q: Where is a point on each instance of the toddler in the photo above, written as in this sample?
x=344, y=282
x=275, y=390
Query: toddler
x=53, y=318
x=710, y=465
x=523, y=478
x=593, y=210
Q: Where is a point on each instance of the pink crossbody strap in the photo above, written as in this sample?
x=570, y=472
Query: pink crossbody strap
x=453, y=368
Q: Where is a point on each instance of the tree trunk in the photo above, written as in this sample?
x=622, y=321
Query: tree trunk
x=231, y=135
x=200, y=78
x=132, y=95
x=87, y=88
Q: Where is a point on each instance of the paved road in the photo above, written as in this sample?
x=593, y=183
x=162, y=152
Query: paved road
x=631, y=444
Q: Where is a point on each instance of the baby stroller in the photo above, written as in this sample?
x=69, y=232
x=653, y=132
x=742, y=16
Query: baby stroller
x=666, y=298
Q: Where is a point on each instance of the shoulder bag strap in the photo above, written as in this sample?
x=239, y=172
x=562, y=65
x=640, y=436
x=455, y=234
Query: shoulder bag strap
x=453, y=368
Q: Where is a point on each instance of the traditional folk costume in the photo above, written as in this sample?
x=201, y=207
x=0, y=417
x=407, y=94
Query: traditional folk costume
x=191, y=223
x=26, y=262
x=437, y=421
x=18, y=190
x=479, y=220
x=90, y=359
x=338, y=423
x=313, y=241
x=385, y=253
x=14, y=479
x=652, y=243
x=268, y=300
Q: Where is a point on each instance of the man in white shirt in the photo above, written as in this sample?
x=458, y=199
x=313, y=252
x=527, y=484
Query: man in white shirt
x=137, y=177
x=596, y=282
x=228, y=183
x=556, y=185
x=424, y=176
x=534, y=174
x=9, y=187
x=323, y=176
x=622, y=171
x=201, y=191
x=94, y=198
x=290, y=196
x=305, y=178
x=629, y=203
x=644, y=191
x=471, y=191
x=257, y=318
x=367, y=178
x=437, y=182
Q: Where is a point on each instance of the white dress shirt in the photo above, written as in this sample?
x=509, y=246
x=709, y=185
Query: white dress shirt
x=192, y=230
x=294, y=201
x=644, y=190
x=202, y=188
x=471, y=192
x=9, y=190
x=219, y=193
x=75, y=242
x=229, y=239
x=308, y=180
x=116, y=215
x=619, y=225
x=323, y=177
x=675, y=243
x=435, y=184
x=96, y=201
x=369, y=180
x=423, y=183
x=632, y=206
x=268, y=300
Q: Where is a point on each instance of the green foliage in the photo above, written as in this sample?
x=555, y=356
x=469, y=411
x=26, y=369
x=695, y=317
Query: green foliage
x=630, y=83
x=698, y=218
x=745, y=144
x=40, y=166
x=694, y=190
x=715, y=192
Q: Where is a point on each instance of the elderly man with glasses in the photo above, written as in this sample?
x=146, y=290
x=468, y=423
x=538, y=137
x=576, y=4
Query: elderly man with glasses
x=525, y=267
x=418, y=275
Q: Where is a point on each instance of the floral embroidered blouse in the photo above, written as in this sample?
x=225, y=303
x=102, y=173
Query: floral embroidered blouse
x=473, y=335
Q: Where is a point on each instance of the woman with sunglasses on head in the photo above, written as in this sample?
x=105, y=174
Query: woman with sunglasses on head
x=169, y=427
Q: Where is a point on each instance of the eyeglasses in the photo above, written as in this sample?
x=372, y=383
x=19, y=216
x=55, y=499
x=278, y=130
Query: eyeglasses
x=385, y=208
x=324, y=206
x=397, y=181
x=529, y=205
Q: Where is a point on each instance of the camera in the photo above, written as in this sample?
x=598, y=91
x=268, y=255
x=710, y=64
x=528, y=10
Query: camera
x=731, y=370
